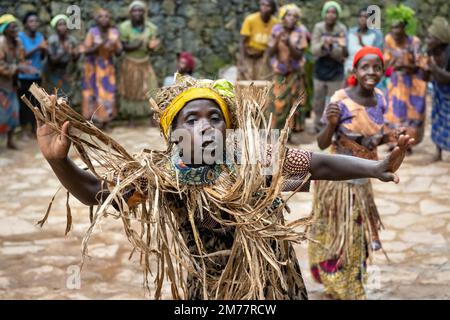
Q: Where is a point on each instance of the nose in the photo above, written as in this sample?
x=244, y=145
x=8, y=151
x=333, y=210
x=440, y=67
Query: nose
x=205, y=125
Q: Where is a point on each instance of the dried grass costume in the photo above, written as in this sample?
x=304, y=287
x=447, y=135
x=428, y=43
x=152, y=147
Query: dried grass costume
x=216, y=232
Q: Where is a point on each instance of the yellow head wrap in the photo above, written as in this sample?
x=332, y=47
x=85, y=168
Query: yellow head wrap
x=5, y=20
x=289, y=7
x=212, y=91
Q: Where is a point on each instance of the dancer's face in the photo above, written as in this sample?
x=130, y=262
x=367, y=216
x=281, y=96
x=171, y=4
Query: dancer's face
x=103, y=19
x=265, y=8
x=12, y=30
x=290, y=19
x=369, y=71
x=199, y=131
x=32, y=23
x=61, y=27
x=398, y=31
x=331, y=16
x=137, y=14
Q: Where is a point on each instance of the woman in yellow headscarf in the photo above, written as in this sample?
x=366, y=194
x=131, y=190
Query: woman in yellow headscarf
x=205, y=210
x=137, y=78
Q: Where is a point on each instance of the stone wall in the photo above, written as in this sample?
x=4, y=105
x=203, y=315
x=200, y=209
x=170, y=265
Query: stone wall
x=207, y=28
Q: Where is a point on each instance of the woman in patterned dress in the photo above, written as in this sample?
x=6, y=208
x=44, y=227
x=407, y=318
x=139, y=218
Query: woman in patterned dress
x=286, y=47
x=12, y=61
x=345, y=218
x=217, y=264
x=102, y=42
x=407, y=87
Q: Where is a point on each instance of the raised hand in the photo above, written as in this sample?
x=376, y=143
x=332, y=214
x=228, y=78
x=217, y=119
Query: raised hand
x=386, y=169
x=332, y=113
x=53, y=145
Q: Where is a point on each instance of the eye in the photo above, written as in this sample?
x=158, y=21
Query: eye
x=216, y=117
x=191, y=120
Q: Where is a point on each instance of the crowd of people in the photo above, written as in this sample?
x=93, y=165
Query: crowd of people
x=366, y=90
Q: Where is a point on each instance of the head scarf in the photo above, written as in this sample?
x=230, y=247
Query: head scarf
x=5, y=20
x=402, y=14
x=189, y=60
x=56, y=19
x=288, y=7
x=364, y=51
x=440, y=29
x=138, y=4
x=331, y=4
x=219, y=91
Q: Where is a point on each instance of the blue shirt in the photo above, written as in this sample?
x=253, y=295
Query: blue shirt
x=36, y=58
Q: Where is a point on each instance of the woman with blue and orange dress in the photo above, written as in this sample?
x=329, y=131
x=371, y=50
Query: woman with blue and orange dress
x=408, y=81
x=99, y=79
x=345, y=218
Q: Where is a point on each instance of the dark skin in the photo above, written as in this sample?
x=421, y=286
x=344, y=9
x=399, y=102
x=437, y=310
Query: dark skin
x=31, y=27
x=10, y=34
x=368, y=71
x=265, y=11
x=137, y=15
x=399, y=35
x=103, y=22
x=62, y=32
x=284, y=45
x=198, y=118
x=331, y=18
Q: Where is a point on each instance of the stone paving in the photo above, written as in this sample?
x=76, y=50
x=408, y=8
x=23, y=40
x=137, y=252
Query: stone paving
x=42, y=263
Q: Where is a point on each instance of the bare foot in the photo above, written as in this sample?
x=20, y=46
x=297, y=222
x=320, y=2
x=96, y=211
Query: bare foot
x=12, y=146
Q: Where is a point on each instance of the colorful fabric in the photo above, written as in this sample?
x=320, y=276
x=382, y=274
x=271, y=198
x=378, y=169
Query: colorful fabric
x=284, y=94
x=36, y=58
x=440, y=116
x=192, y=94
x=257, y=31
x=406, y=91
x=5, y=20
x=9, y=59
x=99, y=77
x=283, y=63
x=9, y=111
x=360, y=128
x=56, y=19
x=339, y=213
x=331, y=4
x=355, y=41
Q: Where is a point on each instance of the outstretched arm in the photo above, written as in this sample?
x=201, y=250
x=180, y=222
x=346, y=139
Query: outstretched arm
x=340, y=167
x=55, y=147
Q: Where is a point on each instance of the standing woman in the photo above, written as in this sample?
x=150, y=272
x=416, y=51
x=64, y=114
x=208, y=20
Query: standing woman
x=12, y=61
x=407, y=87
x=286, y=47
x=346, y=219
x=99, y=79
x=439, y=66
x=62, y=53
x=137, y=78
x=35, y=48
